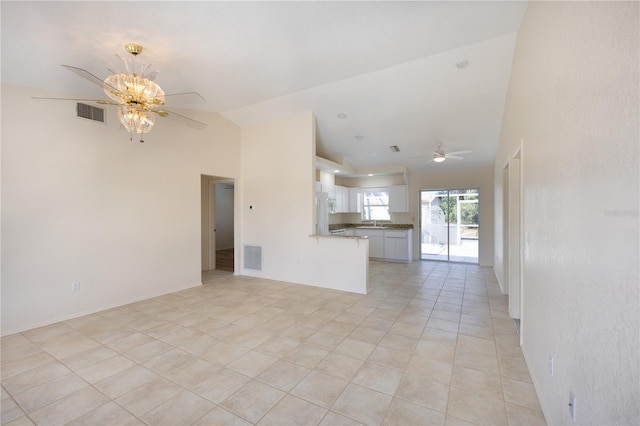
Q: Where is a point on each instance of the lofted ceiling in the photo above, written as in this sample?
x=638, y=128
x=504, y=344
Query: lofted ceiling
x=375, y=74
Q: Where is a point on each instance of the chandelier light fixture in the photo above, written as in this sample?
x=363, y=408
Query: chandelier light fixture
x=136, y=94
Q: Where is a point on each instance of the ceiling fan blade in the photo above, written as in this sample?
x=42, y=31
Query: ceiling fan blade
x=454, y=157
x=181, y=118
x=98, y=101
x=90, y=77
x=459, y=153
x=184, y=98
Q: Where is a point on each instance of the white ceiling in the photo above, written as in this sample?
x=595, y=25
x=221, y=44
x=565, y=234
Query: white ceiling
x=389, y=66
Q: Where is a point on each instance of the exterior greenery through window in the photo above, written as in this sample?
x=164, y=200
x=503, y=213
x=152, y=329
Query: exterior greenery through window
x=375, y=205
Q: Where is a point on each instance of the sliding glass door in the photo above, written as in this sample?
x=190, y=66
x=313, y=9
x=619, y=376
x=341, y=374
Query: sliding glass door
x=449, y=225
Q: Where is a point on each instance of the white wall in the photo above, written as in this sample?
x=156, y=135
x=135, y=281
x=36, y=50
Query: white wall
x=278, y=181
x=80, y=202
x=460, y=179
x=573, y=99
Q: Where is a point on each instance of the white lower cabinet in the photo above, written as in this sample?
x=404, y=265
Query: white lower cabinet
x=393, y=245
x=397, y=245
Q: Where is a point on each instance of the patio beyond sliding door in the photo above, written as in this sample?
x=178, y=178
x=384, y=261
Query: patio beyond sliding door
x=449, y=225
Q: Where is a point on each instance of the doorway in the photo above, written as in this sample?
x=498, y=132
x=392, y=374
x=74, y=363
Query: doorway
x=217, y=223
x=513, y=247
x=449, y=225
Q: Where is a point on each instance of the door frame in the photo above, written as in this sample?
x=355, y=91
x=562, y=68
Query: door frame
x=514, y=235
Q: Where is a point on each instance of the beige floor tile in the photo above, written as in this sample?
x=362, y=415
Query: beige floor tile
x=436, y=350
x=452, y=421
x=10, y=411
x=376, y=377
x=520, y=393
x=252, y=363
x=183, y=409
x=70, y=407
x=339, y=366
x=422, y=327
x=192, y=372
x=523, y=416
x=390, y=358
x=283, y=375
x=403, y=413
x=220, y=385
x=38, y=359
x=106, y=368
x=366, y=334
x=109, y=414
x=39, y=396
x=319, y=388
x=477, y=360
x=306, y=356
x=253, y=400
x=476, y=408
x=324, y=340
x=34, y=377
x=291, y=410
x=224, y=353
x=399, y=343
x=145, y=352
x=434, y=369
x=88, y=358
x=424, y=391
x=334, y=419
x=125, y=381
x=362, y=404
x=354, y=349
x=483, y=382
x=148, y=396
x=277, y=347
x=220, y=416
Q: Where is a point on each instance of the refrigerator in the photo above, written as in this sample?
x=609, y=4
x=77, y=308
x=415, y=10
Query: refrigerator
x=322, y=213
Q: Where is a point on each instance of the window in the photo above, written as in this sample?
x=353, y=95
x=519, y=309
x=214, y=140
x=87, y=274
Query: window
x=375, y=205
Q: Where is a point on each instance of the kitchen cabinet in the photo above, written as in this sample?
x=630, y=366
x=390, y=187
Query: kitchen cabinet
x=398, y=245
x=342, y=199
x=394, y=245
x=354, y=204
x=398, y=199
x=376, y=241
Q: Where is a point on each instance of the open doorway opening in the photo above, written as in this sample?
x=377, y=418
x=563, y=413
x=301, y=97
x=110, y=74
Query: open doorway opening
x=449, y=226
x=217, y=201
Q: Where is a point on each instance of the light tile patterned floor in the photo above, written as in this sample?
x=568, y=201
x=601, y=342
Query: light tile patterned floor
x=431, y=343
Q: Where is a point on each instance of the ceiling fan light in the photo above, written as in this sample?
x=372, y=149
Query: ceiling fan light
x=136, y=119
x=439, y=158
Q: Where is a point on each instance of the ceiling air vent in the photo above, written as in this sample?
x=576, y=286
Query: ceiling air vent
x=394, y=148
x=90, y=112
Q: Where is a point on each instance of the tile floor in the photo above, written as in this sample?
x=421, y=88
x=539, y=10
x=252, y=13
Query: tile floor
x=431, y=344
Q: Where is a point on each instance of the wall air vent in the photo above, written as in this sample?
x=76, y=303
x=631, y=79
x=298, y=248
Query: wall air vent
x=394, y=148
x=90, y=112
x=253, y=257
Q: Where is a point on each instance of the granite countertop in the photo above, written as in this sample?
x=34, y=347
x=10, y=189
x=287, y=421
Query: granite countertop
x=379, y=225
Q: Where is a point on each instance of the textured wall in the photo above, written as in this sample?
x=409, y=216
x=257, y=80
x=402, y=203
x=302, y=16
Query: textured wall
x=573, y=100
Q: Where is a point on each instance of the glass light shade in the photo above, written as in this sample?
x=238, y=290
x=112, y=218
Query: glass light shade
x=136, y=119
x=132, y=87
x=439, y=159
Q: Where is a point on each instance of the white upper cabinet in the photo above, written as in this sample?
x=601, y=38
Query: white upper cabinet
x=398, y=199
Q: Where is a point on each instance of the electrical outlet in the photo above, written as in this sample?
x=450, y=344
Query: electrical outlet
x=551, y=361
x=75, y=287
x=572, y=406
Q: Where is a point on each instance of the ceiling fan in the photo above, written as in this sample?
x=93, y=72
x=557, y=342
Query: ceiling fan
x=439, y=155
x=136, y=95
